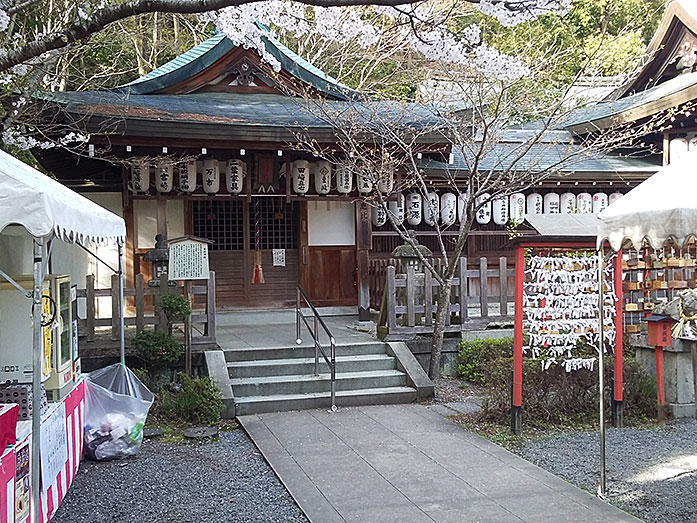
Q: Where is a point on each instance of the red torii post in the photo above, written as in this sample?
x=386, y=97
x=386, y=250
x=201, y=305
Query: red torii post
x=553, y=242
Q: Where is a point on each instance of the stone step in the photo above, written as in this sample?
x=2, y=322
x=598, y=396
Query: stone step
x=295, y=366
x=303, y=384
x=285, y=402
x=302, y=351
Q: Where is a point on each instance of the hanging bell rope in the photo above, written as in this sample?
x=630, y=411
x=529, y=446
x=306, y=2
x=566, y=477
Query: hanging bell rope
x=258, y=272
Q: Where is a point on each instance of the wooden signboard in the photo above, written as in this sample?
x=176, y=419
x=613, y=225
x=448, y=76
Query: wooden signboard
x=188, y=260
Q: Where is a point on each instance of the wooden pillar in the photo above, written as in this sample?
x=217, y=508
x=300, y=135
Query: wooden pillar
x=617, y=388
x=660, y=387
x=364, y=240
x=517, y=393
x=162, y=217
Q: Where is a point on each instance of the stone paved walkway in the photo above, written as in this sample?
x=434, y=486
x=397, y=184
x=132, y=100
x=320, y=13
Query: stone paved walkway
x=408, y=464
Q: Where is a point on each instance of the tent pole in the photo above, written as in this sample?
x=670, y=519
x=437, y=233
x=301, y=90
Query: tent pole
x=36, y=381
x=122, y=311
x=601, y=378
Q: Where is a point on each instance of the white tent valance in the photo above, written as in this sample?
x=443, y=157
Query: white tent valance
x=44, y=207
x=662, y=207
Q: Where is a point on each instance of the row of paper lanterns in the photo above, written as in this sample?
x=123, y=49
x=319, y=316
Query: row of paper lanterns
x=303, y=171
x=448, y=207
x=163, y=173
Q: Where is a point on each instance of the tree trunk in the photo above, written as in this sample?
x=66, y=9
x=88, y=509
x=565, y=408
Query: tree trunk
x=439, y=329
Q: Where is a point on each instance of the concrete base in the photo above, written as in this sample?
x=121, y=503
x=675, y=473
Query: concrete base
x=217, y=371
x=416, y=375
x=677, y=368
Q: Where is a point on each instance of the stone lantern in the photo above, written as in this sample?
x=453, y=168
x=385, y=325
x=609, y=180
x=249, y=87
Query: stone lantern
x=159, y=257
x=407, y=256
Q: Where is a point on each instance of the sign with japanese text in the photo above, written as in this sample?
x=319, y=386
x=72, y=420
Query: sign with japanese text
x=188, y=260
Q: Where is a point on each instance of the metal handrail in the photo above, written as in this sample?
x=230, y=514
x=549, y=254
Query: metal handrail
x=331, y=359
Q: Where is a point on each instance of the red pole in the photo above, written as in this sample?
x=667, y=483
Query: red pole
x=660, y=389
x=517, y=399
x=617, y=399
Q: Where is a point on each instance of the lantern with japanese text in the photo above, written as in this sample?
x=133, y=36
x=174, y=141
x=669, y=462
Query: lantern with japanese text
x=584, y=203
x=414, y=209
x=448, y=208
x=600, y=202
x=236, y=172
x=396, y=207
x=386, y=180
x=484, y=209
x=364, y=182
x=344, y=179
x=164, y=175
x=567, y=203
x=516, y=207
x=678, y=148
x=211, y=176
x=301, y=176
x=379, y=215
x=323, y=177
x=614, y=197
x=551, y=203
x=431, y=208
x=462, y=206
x=500, y=210
x=187, y=177
x=534, y=203
x=140, y=177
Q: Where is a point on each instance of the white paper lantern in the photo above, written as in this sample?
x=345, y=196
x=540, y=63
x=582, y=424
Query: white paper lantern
x=516, y=207
x=462, y=207
x=344, y=179
x=500, y=210
x=187, y=177
x=236, y=172
x=164, y=176
x=678, y=148
x=584, y=203
x=386, y=180
x=140, y=177
x=551, y=203
x=693, y=144
x=534, y=203
x=323, y=177
x=211, y=176
x=431, y=209
x=600, y=202
x=484, y=212
x=614, y=197
x=567, y=203
x=379, y=215
x=301, y=176
x=414, y=211
x=365, y=182
x=448, y=208
x=396, y=207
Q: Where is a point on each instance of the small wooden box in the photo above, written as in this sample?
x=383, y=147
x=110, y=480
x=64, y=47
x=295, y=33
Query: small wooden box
x=660, y=284
x=632, y=329
x=677, y=284
x=658, y=330
x=632, y=286
x=675, y=262
x=648, y=306
x=631, y=307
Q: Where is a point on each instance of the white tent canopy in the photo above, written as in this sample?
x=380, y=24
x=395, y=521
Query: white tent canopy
x=662, y=207
x=45, y=207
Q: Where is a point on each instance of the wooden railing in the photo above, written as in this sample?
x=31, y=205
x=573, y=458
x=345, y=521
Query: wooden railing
x=409, y=300
x=153, y=315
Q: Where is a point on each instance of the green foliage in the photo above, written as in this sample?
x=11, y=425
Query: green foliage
x=198, y=401
x=552, y=395
x=176, y=307
x=157, y=349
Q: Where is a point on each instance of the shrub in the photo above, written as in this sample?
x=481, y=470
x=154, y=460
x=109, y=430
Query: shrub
x=475, y=355
x=198, y=401
x=176, y=307
x=157, y=349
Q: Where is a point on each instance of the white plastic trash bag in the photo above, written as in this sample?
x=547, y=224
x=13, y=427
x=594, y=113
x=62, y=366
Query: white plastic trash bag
x=116, y=406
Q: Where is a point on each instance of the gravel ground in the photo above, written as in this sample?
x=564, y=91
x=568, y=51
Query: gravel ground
x=226, y=481
x=651, y=473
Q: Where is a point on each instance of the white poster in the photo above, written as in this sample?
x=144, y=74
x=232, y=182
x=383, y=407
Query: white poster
x=54, y=446
x=188, y=260
x=279, y=257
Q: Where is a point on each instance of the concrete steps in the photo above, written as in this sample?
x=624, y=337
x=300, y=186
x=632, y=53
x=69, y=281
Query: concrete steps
x=282, y=378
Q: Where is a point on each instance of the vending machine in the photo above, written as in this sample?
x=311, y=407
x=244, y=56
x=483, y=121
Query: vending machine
x=17, y=334
x=61, y=380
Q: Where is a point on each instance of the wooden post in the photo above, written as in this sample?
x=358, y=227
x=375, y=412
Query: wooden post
x=693, y=349
x=140, y=304
x=210, y=306
x=391, y=299
x=364, y=241
x=517, y=393
x=660, y=387
x=464, y=313
x=159, y=312
x=411, y=296
x=115, y=308
x=90, y=306
x=162, y=217
x=617, y=388
x=483, y=287
x=503, y=284
x=187, y=331
x=428, y=298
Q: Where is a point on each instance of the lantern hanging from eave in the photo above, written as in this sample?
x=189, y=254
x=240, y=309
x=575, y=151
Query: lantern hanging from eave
x=301, y=176
x=462, y=206
x=551, y=203
x=379, y=214
x=584, y=203
x=164, y=176
x=534, y=203
x=414, y=209
x=692, y=145
x=140, y=177
x=500, y=210
x=614, y=197
x=323, y=177
x=483, y=209
x=516, y=207
x=211, y=176
x=600, y=202
x=364, y=182
x=344, y=179
x=386, y=180
x=678, y=148
x=567, y=203
x=431, y=208
x=396, y=208
x=236, y=172
x=448, y=208
x=187, y=177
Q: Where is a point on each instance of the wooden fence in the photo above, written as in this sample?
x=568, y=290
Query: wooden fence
x=142, y=316
x=409, y=300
